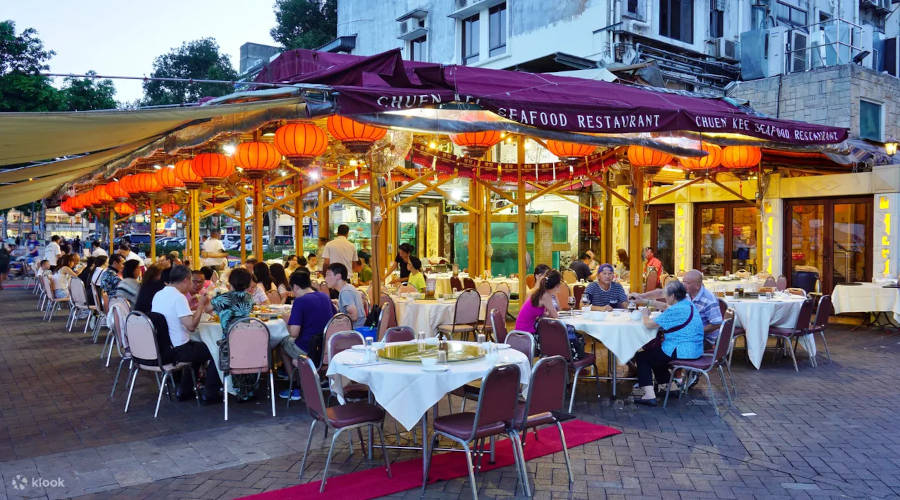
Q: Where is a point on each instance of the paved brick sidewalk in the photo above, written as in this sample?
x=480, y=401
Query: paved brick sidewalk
x=825, y=432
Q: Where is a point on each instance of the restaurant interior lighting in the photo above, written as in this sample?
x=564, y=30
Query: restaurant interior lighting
x=353, y=162
x=156, y=167
x=668, y=168
x=456, y=194
x=229, y=149
x=432, y=145
x=890, y=147
x=314, y=175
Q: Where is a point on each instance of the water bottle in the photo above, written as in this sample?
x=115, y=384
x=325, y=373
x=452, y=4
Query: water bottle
x=370, y=353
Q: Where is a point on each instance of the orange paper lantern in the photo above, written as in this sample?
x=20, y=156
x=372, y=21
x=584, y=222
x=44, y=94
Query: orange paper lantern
x=185, y=172
x=146, y=183
x=565, y=149
x=741, y=156
x=128, y=185
x=476, y=143
x=123, y=208
x=300, y=142
x=711, y=160
x=642, y=156
x=167, y=179
x=213, y=168
x=115, y=191
x=256, y=158
x=169, y=209
x=355, y=136
x=101, y=196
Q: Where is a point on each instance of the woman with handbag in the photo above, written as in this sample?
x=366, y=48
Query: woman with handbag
x=680, y=336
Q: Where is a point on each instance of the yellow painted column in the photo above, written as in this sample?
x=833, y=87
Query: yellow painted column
x=112, y=231
x=242, y=217
x=378, y=256
x=476, y=249
x=323, y=214
x=635, y=245
x=258, y=190
x=152, y=229
x=195, y=228
x=520, y=216
x=486, y=216
x=298, y=215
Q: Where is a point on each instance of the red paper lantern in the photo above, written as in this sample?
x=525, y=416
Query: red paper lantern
x=355, y=136
x=169, y=209
x=146, y=183
x=741, y=156
x=475, y=144
x=642, y=156
x=711, y=160
x=565, y=149
x=185, y=172
x=123, y=208
x=128, y=185
x=115, y=191
x=101, y=196
x=213, y=168
x=256, y=158
x=167, y=179
x=300, y=142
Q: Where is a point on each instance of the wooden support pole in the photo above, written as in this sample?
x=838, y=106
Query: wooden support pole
x=475, y=246
x=258, y=220
x=298, y=216
x=152, y=230
x=112, y=231
x=323, y=214
x=634, y=229
x=195, y=228
x=243, y=221
x=487, y=230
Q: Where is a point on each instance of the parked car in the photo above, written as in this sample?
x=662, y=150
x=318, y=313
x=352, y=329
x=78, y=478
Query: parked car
x=140, y=242
x=281, y=241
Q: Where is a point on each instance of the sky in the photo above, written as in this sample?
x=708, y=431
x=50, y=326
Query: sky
x=123, y=38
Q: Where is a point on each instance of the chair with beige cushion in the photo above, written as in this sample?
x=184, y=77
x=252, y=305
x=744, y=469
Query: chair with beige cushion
x=465, y=315
x=248, y=354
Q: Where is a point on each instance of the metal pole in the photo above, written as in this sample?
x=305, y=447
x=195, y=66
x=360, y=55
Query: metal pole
x=112, y=231
x=298, y=215
x=243, y=221
x=152, y=230
x=258, y=190
x=635, y=245
x=195, y=228
x=374, y=228
x=520, y=216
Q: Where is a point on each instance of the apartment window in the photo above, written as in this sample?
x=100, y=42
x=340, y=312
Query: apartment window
x=632, y=7
x=676, y=19
x=716, y=20
x=790, y=14
x=470, y=28
x=870, y=120
x=417, y=49
x=497, y=29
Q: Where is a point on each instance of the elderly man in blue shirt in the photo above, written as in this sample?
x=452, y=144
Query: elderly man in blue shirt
x=682, y=338
x=706, y=303
x=606, y=294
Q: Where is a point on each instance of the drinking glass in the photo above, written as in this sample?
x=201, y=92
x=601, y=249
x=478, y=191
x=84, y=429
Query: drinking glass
x=442, y=357
x=370, y=354
x=481, y=338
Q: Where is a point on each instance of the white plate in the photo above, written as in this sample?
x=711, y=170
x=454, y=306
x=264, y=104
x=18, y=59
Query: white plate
x=435, y=368
x=358, y=347
x=502, y=346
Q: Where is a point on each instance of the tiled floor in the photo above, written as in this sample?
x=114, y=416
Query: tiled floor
x=826, y=431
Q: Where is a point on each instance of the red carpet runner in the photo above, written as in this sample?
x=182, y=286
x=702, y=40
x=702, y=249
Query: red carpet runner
x=374, y=483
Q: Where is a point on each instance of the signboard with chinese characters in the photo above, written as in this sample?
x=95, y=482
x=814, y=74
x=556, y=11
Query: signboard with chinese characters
x=886, y=251
x=772, y=220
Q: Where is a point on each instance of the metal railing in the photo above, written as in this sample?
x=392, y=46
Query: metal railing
x=828, y=43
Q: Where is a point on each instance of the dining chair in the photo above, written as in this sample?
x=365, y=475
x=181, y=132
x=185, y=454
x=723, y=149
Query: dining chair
x=465, y=314
x=499, y=301
x=562, y=297
x=484, y=288
x=554, y=340
x=79, y=304
x=468, y=284
x=456, y=284
x=119, y=310
x=652, y=281
x=53, y=303
x=781, y=283
x=801, y=328
x=248, y=354
x=323, y=287
x=496, y=409
x=718, y=359
x=504, y=287
x=769, y=282
x=824, y=310
x=545, y=400
x=338, y=343
x=569, y=276
x=387, y=318
x=529, y=281
x=338, y=418
x=796, y=291
x=399, y=334
x=340, y=322
x=522, y=342
x=498, y=325
x=102, y=307
x=141, y=336
x=578, y=293
x=113, y=340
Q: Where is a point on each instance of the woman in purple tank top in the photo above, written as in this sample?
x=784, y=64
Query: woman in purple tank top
x=539, y=303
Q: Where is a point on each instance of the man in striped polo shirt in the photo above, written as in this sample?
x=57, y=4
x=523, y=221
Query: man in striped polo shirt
x=606, y=294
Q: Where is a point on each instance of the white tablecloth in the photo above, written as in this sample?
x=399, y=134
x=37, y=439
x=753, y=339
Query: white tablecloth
x=749, y=285
x=867, y=297
x=442, y=283
x=616, y=330
x=209, y=333
x=426, y=315
x=405, y=390
x=755, y=316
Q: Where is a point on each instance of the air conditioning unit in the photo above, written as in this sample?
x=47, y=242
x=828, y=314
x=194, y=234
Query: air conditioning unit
x=799, y=51
x=777, y=42
x=408, y=25
x=724, y=48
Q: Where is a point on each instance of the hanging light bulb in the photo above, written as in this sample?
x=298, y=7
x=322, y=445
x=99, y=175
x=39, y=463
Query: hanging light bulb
x=229, y=148
x=314, y=175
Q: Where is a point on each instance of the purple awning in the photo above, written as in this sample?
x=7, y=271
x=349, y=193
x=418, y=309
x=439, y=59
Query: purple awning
x=384, y=82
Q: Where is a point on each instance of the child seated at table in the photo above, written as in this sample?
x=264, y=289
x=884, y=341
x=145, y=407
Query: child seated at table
x=416, y=277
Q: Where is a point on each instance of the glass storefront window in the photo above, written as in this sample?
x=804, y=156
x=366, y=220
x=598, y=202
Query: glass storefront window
x=850, y=255
x=725, y=238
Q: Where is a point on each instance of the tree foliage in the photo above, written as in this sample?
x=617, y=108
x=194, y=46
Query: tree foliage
x=198, y=59
x=85, y=94
x=22, y=58
x=304, y=24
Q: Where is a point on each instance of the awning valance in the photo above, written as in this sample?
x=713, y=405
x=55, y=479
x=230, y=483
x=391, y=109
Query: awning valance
x=384, y=82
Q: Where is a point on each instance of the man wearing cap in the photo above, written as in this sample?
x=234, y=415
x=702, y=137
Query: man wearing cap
x=606, y=294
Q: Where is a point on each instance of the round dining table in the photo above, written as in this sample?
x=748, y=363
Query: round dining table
x=755, y=316
x=622, y=334
x=424, y=315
